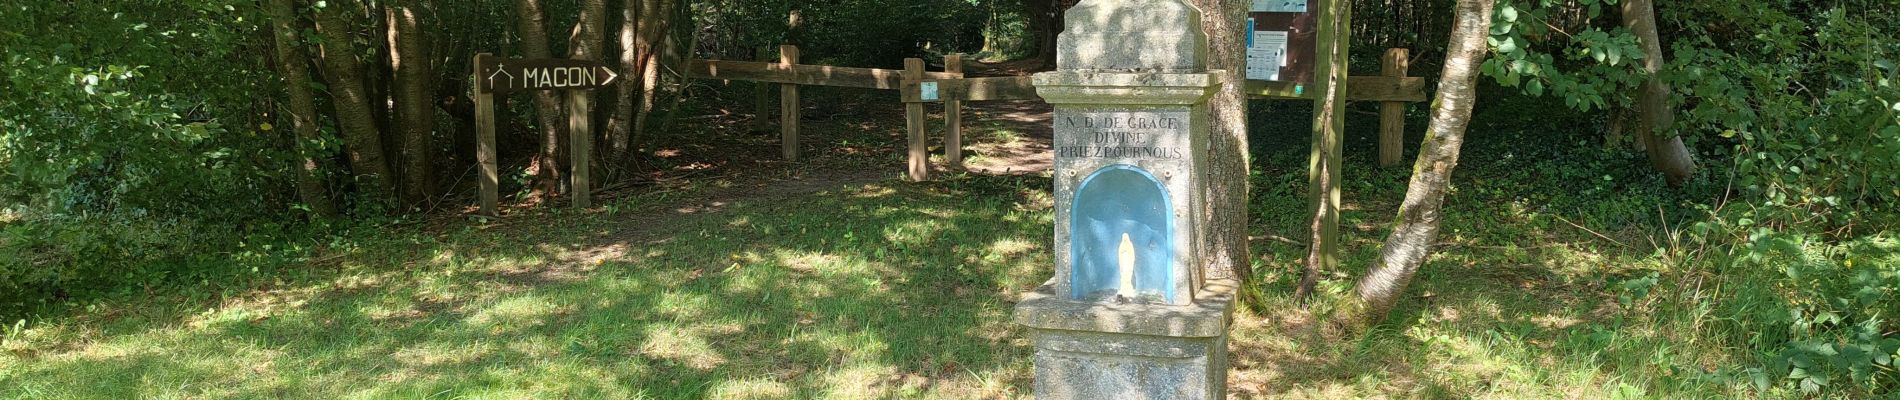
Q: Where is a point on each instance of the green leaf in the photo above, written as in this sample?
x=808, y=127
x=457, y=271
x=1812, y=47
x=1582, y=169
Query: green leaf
x=1509, y=13
x=1535, y=87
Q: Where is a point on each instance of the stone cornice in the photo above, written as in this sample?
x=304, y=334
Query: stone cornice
x=1126, y=88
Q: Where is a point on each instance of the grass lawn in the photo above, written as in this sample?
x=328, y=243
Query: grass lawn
x=755, y=299
x=781, y=288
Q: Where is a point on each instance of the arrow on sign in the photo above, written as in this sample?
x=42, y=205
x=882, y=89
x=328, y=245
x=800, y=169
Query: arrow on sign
x=611, y=76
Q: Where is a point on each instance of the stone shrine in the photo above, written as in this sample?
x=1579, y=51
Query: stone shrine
x=1129, y=313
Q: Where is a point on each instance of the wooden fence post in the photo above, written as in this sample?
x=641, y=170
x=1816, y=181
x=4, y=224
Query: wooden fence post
x=485, y=138
x=789, y=111
x=953, y=116
x=1392, y=113
x=581, y=145
x=1329, y=120
x=919, y=162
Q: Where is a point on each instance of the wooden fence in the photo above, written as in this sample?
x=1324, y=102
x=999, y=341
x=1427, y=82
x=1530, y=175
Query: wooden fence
x=918, y=86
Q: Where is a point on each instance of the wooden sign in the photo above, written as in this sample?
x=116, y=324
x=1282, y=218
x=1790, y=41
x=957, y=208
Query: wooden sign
x=520, y=75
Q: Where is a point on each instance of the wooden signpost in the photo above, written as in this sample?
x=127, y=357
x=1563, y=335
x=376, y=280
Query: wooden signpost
x=494, y=75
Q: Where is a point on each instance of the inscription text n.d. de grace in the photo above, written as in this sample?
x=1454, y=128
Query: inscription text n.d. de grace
x=1137, y=135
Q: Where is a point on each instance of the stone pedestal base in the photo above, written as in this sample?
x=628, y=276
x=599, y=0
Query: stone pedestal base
x=1105, y=350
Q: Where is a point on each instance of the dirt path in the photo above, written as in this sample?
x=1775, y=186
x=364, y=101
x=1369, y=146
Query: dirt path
x=1009, y=138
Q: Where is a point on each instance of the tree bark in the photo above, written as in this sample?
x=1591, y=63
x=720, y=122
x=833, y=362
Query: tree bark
x=654, y=32
x=410, y=60
x=362, y=139
x=1228, y=161
x=1417, y=228
x=586, y=42
x=620, y=124
x=1046, y=23
x=303, y=109
x=1655, y=118
x=532, y=26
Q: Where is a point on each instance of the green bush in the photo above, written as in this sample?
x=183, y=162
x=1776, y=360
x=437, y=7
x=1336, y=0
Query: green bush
x=49, y=261
x=1821, y=316
x=1809, y=102
x=1804, y=103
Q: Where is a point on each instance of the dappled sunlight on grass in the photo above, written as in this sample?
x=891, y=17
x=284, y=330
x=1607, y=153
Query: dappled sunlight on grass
x=1533, y=290
x=818, y=296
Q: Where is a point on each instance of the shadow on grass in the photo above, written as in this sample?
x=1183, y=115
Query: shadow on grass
x=862, y=291
x=1525, y=295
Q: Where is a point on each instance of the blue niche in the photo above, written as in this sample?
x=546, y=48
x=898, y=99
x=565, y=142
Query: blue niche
x=1117, y=205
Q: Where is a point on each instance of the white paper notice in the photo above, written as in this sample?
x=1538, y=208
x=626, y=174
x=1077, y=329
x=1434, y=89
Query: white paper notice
x=1292, y=6
x=1266, y=56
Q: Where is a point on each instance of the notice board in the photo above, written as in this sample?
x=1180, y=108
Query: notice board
x=1282, y=41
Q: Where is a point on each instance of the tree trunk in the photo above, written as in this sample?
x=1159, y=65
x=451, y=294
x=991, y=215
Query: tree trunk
x=654, y=31
x=303, y=109
x=620, y=150
x=1655, y=118
x=1045, y=22
x=1417, y=228
x=1226, y=198
x=410, y=60
x=586, y=42
x=362, y=139
x=532, y=26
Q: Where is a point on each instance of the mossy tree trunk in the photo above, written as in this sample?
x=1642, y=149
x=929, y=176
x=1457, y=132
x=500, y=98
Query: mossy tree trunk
x=1410, y=243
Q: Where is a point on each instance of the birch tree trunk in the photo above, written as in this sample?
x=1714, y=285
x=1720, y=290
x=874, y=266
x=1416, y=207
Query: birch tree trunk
x=1410, y=243
x=362, y=140
x=303, y=109
x=1655, y=118
x=410, y=60
x=1227, y=164
x=531, y=24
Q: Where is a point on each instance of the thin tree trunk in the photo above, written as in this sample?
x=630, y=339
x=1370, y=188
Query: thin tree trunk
x=620, y=124
x=675, y=46
x=989, y=29
x=410, y=60
x=1417, y=229
x=653, y=31
x=1044, y=23
x=303, y=109
x=362, y=139
x=1655, y=118
x=532, y=26
x=378, y=83
x=1227, y=161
